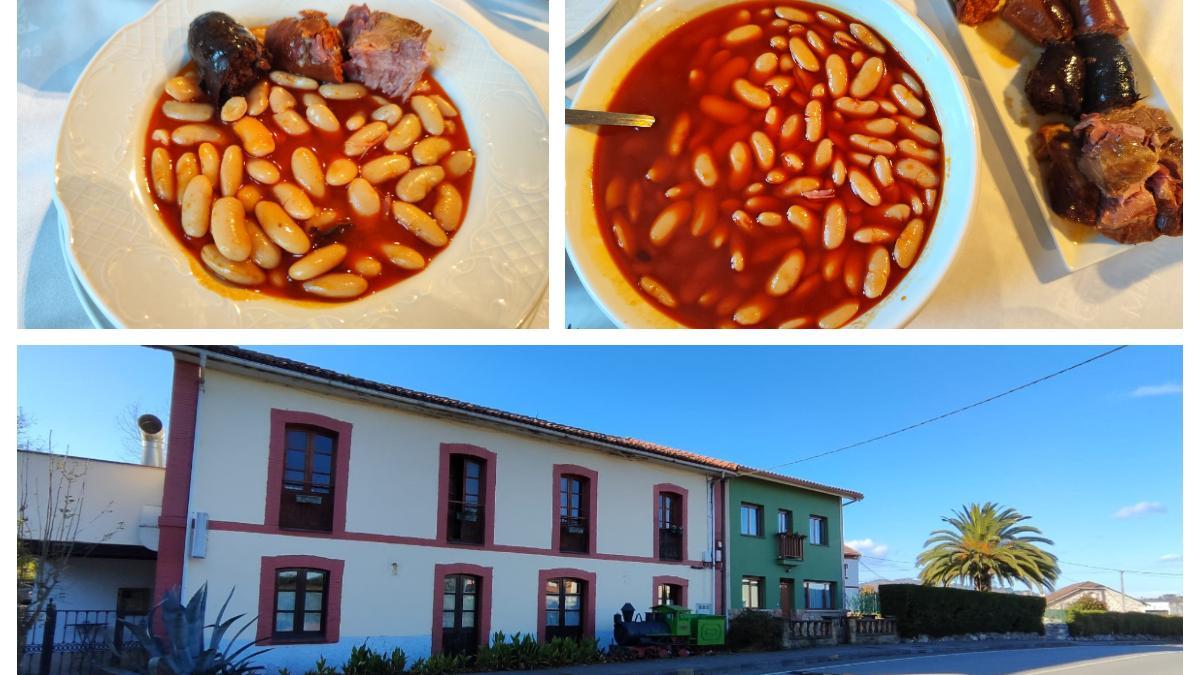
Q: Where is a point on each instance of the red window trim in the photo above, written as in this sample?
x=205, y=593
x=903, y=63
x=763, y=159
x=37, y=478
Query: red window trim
x=683, y=516
x=589, y=614
x=489, y=497
x=667, y=579
x=280, y=419
x=593, y=508
x=266, y=596
x=483, y=614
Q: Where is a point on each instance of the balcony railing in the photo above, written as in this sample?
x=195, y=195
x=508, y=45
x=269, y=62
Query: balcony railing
x=573, y=534
x=791, y=546
x=465, y=522
x=670, y=543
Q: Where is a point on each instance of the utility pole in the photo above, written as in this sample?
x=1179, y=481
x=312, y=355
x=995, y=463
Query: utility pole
x=1122, y=590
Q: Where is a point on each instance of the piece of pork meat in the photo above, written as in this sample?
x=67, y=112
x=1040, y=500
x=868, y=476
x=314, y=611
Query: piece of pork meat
x=1168, y=198
x=1129, y=220
x=974, y=12
x=386, y=52
x=1072, y=195
x=1115, y=156
x=1170, y=156
x=228, y=58
x=1110, y=82
x=1056, y=84
x=307, y=46
x=1043, y=21
x=1098, y=16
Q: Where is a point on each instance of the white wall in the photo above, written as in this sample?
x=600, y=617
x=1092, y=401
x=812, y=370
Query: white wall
x=393, y=491
x=113, y=494
x=850, y=566
x=92, y=583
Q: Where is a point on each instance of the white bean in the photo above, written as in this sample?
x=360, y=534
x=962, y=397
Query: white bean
x=836, y=76
x=191, y=134
x=839, y=315
x=243, y=273
x=386, y=167
x=231, y=171
x=210, y=162
x=419, y=223
x=882, y=168
x=668, y=221
x=363, y=197
x=915, y=171
x=417, y=183
x=814, y=121
x=228, y=228
x=258, y=98
x=321, y=117
x=879, y=267
x=448, y=209
x=855, y=108
x=317, y=262
x=403, y=256
x=348, y=91
x=341, y=171
x=285, y=79
x=389, y=114
x=657, y=291
x=835, y=225
x=356, y=121
x=908, y=243
x=908, y=101
x=162, y=174
x=868, y=78
x=431, y=117
x=431, y=150
x=803, y=55
x=294, y=200
x=704, y=167
x=256, y=138
x=186, y=168
x=281, y=99
x=280, y=227
x=291, y=123
x=793, y=14
x=195, y=207
x=183, y=88
x=447, y=108
x=404, y=134
x=364, y=139
x=458, y=163
x=787, y=274
x=742, y=35
x=264, y=252
x=249, y=196
x=263, y=171
x=187, y=112
x=306, y=170
x=864, y=189
x=751, y=95
x=764, y=150
x=338, y=285
x=368, y=267
x=234, y=109
x=867, y=38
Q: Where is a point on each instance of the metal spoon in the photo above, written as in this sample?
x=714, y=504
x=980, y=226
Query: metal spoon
x=598, y=117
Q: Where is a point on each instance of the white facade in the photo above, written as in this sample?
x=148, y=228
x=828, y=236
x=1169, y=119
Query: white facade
x=850, y=578
x=390, y=545
x=117, y=510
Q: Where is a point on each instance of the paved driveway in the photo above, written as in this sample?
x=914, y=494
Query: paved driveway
x=1092, y=660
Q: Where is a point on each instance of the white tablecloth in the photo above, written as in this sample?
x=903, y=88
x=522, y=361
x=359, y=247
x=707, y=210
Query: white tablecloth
x=55, y=41
x=1007, y=274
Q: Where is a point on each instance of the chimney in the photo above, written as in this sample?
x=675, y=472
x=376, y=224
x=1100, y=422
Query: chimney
x=152, y=440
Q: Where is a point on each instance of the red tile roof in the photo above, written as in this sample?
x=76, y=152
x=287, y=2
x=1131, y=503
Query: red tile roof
x=849, y=552
x=1067, y=591
x=298, y=367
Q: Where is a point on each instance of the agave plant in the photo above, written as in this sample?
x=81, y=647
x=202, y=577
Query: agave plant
x=988, y=543
x=183, y=650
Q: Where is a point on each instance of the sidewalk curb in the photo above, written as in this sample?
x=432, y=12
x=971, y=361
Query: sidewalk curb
x=791, y=661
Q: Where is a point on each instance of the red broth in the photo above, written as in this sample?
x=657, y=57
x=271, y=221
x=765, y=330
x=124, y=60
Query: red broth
x=364, y=236
x=739, y=208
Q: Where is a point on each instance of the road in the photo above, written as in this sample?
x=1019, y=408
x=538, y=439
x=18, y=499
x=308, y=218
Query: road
x=1092, y=660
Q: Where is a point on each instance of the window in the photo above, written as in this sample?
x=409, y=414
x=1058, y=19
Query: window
x=818, y=530
x=460, y=603
x=306, y=501
x=752, y=592
x=752, y=520
x=668, y=594
x=670, y=526
x=300, y=603
x=818, y=594
x=564, y=607
x=573, y=510
x=785, y=521
x=466, y=512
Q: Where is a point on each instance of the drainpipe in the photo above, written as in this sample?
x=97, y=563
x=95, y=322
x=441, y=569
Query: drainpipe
x=188, y=529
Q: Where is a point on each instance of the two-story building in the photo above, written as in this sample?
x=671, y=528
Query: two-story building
x=784, y=545
x=341, y=511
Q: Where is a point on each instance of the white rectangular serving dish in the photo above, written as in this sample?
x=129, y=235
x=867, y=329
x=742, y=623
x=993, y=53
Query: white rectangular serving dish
x=1003, y=59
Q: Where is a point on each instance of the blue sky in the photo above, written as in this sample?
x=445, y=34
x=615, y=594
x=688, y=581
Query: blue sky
x=1095, y=456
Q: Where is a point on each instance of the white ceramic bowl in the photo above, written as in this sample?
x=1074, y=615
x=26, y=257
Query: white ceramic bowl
x=960, y=136
x=490, y=276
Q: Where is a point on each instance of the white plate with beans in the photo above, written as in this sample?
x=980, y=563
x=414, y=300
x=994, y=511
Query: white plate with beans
x=140, y=175
x=812, y=165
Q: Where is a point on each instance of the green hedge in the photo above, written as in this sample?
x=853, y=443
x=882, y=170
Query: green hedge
x=755, y=631
x=1089, y=623
x=937, y=612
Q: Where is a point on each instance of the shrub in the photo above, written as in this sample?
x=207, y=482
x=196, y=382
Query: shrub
x=937, y=611
x=1088, y=603
x=524, y=652
x=321, y=668
x=755, y=631
x=365, y=661
x=1090, y=623
x=440, y=664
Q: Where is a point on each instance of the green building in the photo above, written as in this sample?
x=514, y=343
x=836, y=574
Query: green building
x=783, y=544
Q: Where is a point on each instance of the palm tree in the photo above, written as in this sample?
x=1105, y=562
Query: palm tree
x=988, y=543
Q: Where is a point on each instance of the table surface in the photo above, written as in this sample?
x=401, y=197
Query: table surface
x=1007, y=273
x=55, y=41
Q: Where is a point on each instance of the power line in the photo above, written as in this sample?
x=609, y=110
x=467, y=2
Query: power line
x=1116, y=569
x=955, y=411
x=899, y=562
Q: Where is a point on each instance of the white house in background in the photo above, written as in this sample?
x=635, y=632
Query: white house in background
x=113, y=557
x=1064, y=597
x=1166, y=605
x=343, y=510
x=850, y=574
